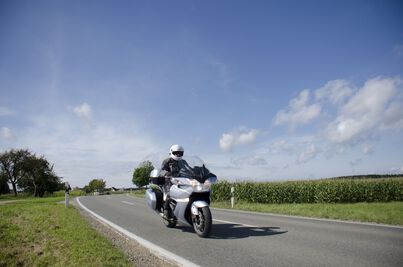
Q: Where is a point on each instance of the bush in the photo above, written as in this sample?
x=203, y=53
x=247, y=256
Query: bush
x=72, y=193
x=141, y=174
x=319, y=191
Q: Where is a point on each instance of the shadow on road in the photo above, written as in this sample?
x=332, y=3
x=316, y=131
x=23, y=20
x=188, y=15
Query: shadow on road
x=236, y=231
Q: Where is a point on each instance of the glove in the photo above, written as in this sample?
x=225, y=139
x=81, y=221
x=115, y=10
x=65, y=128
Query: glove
x=164, y=173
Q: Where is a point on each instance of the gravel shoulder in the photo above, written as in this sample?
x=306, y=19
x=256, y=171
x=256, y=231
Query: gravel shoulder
x=139, y=255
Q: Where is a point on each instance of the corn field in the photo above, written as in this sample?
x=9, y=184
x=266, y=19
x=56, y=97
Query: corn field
x=319, y=191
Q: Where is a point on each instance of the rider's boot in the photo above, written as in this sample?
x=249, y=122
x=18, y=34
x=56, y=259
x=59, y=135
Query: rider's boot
x=167, y=210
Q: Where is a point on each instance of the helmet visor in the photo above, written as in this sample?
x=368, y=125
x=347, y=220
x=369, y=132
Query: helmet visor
x=178, y=153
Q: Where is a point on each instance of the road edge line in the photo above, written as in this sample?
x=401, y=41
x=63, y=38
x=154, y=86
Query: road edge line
x=157, y=250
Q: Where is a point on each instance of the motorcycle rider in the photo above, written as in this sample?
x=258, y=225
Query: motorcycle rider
x=170, y=168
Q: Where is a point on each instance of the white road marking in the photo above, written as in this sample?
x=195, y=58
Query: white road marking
x=159, y=251
x=246, y=225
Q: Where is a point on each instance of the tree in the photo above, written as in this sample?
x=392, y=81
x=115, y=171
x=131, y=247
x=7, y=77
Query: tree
x=87, y=189
x=97, y=185
x=39, y=176
x=142, y=173
x=12, y=166
x=4, y=189
x=27, y=171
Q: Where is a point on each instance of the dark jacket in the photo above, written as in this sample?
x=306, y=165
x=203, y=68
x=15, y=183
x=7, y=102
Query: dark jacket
x=171, y=166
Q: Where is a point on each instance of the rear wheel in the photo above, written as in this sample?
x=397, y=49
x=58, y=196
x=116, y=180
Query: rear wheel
x=202, y=222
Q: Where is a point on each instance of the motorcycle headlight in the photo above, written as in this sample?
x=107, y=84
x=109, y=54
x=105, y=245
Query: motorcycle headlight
x=209, y=182
x=195, y=183
x=197, y=186
x=188, y=182
x=206, y=186
x=181, y=181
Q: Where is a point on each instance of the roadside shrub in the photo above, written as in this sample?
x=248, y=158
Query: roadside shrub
x=221, y=191
x=319, y=191
x=72, y=193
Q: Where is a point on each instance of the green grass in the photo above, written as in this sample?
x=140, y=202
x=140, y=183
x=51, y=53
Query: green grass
x=314, y=191
x=12, y=197
x=379, y=212
x=72, y=193
x=42, y=232
x=22, y=195
x=374, y=212
x=138, y=193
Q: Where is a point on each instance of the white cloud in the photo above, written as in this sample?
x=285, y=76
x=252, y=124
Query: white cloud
x=368, y=149
x=372, y=97
x=310, y=152
x=355, y=162
x=364, y=111
x=7, y=134
x=84, y=112
x=257, y=161
x=298, y=112
x=336, y=91
x=253, y=160
x=4, y=111
x=110, y=151
x=395, y=170
x=227, y=141
x=279, y=146
x=240, y=137
x=393, y=116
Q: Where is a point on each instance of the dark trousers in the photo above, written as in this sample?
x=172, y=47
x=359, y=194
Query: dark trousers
x=167, y=187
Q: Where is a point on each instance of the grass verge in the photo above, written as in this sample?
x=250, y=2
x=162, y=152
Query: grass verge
x=374, y=212
x=138, y=193
x=379, y=212
x=42, y=232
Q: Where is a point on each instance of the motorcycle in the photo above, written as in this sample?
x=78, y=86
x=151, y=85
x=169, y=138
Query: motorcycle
x=189, y=196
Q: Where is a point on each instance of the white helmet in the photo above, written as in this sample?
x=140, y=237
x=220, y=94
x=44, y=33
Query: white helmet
x=176, y=152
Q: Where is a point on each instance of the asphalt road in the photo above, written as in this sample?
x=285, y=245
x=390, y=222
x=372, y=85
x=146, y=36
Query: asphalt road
x=254, y=239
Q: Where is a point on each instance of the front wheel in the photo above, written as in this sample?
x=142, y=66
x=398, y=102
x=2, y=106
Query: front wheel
x=202, y=222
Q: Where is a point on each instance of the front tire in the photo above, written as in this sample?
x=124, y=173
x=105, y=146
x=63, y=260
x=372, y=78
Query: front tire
x=202, y=223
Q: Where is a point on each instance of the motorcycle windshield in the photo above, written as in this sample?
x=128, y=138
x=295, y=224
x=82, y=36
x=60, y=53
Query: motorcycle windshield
x=194, y=168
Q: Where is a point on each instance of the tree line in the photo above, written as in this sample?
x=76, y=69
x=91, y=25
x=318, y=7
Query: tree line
x=95, y=185
x=33, y=174
x=28, y=172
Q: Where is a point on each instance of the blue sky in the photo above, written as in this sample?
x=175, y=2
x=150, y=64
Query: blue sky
x=261, y=90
